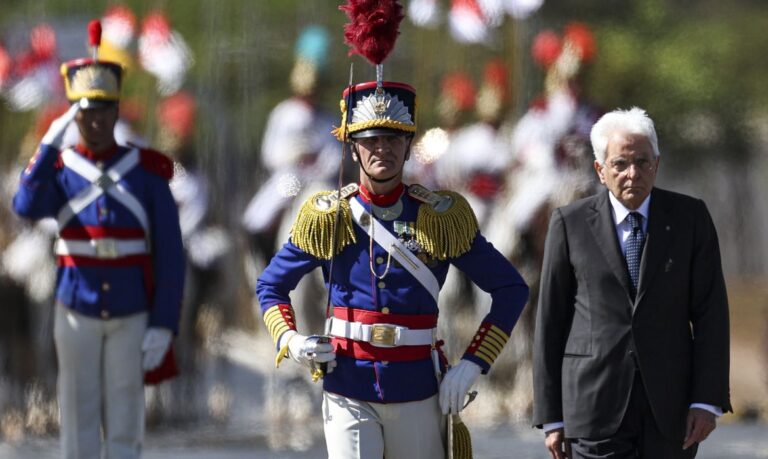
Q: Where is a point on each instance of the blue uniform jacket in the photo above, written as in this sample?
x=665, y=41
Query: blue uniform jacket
x=121, y=290
x=355, y=286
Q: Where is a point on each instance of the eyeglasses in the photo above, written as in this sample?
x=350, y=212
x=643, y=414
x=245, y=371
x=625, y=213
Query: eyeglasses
x=621, y=164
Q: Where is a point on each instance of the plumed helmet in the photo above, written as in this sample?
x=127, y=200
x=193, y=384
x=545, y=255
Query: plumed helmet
x=97, y=80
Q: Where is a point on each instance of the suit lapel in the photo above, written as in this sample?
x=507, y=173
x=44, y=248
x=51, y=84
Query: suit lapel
x=658, y=237
x=604, y=230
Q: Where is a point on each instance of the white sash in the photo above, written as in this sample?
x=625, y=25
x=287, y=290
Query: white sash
x=395, y=248
x=100, y=183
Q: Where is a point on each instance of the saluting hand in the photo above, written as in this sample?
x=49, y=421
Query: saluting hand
x=55, y=134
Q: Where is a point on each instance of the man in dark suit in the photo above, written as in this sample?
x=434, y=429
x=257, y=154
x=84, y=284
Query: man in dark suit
x=632, y=343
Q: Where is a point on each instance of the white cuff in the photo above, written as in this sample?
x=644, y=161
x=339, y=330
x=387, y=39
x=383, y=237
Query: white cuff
x=716, y=410
x=547, y=428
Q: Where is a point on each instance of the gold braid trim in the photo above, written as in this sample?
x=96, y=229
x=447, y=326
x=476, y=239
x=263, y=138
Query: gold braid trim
x=313, y=229
x=377, y=123
x=446, y=234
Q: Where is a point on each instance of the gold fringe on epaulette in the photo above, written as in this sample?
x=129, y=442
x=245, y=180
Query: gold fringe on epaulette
x=446, y=234
x=312, y=231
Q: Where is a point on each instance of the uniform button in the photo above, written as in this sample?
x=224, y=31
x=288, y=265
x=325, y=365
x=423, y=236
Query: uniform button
x=385, y=310
x=100, y=164
x=105, y=286
x=385, y=362
x=105, y=314
x=379, y=260
x=381, y=284
x=103, y=212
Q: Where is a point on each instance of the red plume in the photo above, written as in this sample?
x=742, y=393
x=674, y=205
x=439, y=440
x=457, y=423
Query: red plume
x=582, y=39
x=372, y=28
x=94, y=33
x=546, y=48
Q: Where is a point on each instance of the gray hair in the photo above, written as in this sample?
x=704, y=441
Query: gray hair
x=632, y=121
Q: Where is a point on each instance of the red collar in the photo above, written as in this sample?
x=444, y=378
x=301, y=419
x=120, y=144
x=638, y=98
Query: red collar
x=382, y=200
x=103, y=156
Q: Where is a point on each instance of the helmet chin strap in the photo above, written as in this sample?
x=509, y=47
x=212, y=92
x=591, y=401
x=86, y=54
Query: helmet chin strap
x=356, y=156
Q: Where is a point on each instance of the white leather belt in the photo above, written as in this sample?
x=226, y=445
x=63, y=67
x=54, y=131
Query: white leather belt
x=101, y=248
x=382, y=335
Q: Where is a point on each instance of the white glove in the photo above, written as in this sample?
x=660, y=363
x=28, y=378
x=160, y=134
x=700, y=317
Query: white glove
x=155, y=345
x=309, y=350
x=55, y=134
x=456, y=384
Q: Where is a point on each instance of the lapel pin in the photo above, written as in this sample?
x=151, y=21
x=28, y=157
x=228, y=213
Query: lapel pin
x=668, y=228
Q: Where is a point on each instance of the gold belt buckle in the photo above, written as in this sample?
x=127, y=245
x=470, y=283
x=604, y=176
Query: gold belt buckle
x=105, y=248
x=383, y=335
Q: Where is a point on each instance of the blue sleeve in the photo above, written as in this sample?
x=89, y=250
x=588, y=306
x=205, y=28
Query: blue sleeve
x=39, y=194
x=493, y=273
x=167, y=256
x=282, y=275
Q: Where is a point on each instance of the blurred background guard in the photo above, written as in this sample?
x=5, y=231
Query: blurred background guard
x=121, y=265
x=300, y=156
x=386, y=389
x=549, y=166
x=480, y=153
x=456, y=101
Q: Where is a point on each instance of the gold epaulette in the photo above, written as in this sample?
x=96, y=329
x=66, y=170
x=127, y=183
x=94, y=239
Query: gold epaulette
x=446, y=224
x=313, y=229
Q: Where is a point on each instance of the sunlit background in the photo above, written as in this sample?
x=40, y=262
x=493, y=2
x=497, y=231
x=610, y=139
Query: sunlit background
x=507, y=91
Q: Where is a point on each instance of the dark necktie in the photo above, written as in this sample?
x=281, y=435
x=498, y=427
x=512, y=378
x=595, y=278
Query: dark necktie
x=635, y=244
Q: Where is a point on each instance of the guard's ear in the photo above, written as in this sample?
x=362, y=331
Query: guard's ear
x=408, y=148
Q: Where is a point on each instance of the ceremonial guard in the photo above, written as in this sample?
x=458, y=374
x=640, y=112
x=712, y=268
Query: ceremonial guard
x=386, y=389
x=121, y=265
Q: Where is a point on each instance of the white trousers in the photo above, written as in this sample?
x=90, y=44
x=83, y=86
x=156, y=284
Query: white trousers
x=101, y=385
x=363, y=430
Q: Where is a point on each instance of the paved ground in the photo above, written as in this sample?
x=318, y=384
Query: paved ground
x=729, y=441
x=240, y=381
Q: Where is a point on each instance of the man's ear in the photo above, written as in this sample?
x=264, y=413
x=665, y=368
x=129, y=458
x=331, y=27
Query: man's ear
x=408, y=148
x=600, y=169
